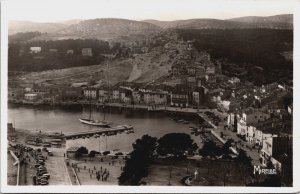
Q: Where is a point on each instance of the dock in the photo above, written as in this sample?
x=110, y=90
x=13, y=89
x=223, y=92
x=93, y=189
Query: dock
x=101, y=131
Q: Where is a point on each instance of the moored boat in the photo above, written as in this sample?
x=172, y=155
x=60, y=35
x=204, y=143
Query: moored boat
x=95, y=123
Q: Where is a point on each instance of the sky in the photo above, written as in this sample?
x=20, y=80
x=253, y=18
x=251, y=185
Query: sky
x=60, y=10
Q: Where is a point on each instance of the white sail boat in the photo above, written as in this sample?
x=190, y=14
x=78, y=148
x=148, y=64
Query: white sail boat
x=90, y=121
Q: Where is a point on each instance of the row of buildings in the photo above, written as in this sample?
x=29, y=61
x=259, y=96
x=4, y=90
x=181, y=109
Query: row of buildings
x=128, y=93
x=268, y=130
x=38, y=49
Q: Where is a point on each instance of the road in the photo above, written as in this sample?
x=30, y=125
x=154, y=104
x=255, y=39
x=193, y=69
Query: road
x=228, y=134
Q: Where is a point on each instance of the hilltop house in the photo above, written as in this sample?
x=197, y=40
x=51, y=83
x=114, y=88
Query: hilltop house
x=35, y=49
x=87, y=52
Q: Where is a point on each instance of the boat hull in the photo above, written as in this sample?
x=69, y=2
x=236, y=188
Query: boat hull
x=95, y=123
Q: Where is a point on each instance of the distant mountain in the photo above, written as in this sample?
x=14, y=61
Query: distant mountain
x=108, y=28
x=28, y=26
x=285, y=18
x=278, y=21
x=162, y=24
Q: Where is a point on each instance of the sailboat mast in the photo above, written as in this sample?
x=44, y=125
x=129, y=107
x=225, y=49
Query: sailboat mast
x=108, y=91
x=90, y=109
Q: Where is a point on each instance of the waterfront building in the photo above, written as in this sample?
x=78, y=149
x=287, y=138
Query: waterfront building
x=104, y=95
x=180, y=96
x=116, y=94
x=90, y=93
x=72, y=93
x=125, y=95
x=31, y=96
x=71, y=151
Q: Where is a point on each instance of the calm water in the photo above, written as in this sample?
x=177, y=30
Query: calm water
x=66, y=120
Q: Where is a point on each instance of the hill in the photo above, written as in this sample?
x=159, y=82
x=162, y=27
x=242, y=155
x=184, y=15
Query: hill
x=278, y=22
x=27, y=26
x=104, y=29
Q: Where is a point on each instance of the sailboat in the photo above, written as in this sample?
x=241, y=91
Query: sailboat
x=90, y=121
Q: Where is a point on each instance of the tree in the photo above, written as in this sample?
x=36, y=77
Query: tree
x=243, y=159
x=226, y=146
x=244, y=163
x=105, y=153
x=209, y=148
x=92, y=154
x=82, y=150
x=136, y=167
x=176, y=144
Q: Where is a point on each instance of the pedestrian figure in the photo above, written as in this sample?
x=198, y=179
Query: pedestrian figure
x=94, y=168
x=92, y=172
x=109, y=163
x=90, y=175
x=101, y=168
x=64, y=154
x=84, y=167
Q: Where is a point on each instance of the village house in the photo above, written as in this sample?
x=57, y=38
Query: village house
x=35, y=49
x=31, y=96
x=72, y=93
x=268, y=128
x=53, y=50
x=250, y=116
x=272, y=148
x=180, y=96
x=210, y=78
x=70, y=52
x=198, y=95
x=234, y=80
x=87, y=52
x=125, y=95
x=90, y=93
x=104, y=95
x=116, y=94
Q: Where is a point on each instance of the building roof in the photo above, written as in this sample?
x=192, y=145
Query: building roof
x=72, y=149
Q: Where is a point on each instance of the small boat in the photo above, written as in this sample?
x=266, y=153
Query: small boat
x=124, y=127
x=95, y=123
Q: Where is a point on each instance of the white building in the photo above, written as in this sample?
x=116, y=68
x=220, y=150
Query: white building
x=31, y=96
x=35, y=49
x=90, y=93
x=87, y=52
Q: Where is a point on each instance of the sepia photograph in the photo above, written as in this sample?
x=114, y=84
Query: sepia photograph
x=147, y=93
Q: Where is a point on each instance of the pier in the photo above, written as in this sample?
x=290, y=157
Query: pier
x=101, y=131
